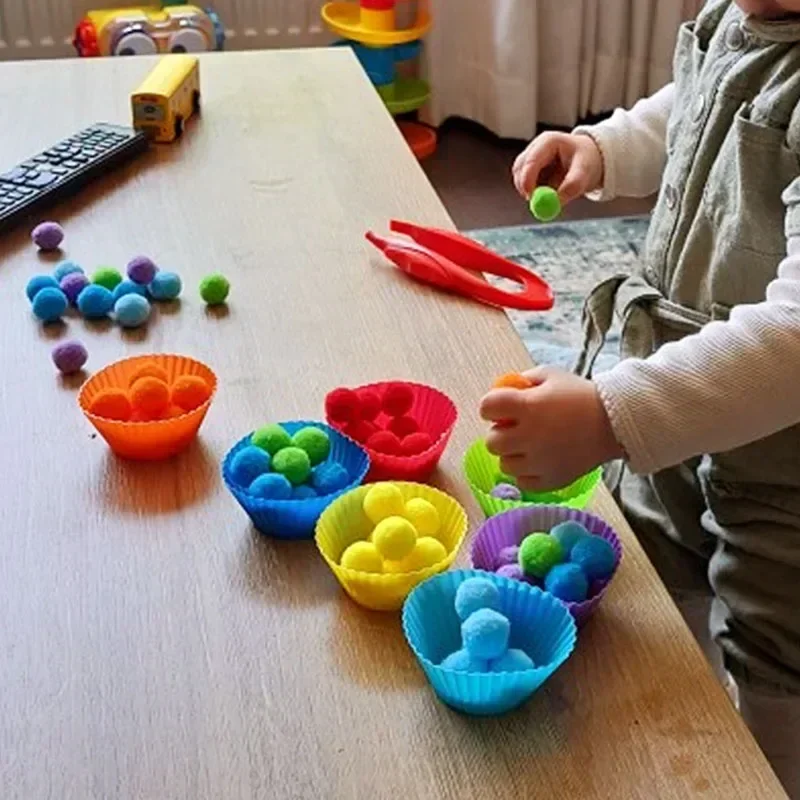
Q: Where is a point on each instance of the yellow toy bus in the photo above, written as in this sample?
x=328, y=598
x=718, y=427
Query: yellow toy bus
x=169, y=95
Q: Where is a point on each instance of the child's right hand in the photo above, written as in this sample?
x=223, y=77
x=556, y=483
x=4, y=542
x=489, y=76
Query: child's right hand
x=571, y=164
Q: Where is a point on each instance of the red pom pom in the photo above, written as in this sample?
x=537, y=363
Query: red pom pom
x=398, y=399
x=361, y=430
x=384, y=442
x=342, y=405
x=370, y=404
x=403, y=426
x=416, y=443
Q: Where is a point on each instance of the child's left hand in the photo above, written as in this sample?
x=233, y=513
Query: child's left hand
x=552, y=433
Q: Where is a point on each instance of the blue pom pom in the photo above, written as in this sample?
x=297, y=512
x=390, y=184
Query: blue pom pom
x=474, y=594
x=512, y=661
x=485, y=634
x=129, y=287
x=303, y=492
x=567, y=582
x=595, y=556
x=271, y=486
x=248, y=464
x=49, y=304
x=329, y=477
x=39, y=282
x=65, y=268
x=462, y=661
x=165, y=286
x=95, y=301
x=132, y=310
x=568, y=535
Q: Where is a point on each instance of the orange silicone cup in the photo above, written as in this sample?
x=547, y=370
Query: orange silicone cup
x=147, y=441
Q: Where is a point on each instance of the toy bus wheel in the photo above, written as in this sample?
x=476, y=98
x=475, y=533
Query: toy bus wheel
x=178, y=127
x=196, y=102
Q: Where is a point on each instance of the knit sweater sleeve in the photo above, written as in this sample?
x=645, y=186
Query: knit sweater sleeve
x=633, y=144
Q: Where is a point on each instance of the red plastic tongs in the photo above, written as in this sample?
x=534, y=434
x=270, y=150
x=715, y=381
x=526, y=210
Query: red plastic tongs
x=450, y=261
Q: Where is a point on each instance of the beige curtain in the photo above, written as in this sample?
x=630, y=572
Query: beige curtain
x=512, y=64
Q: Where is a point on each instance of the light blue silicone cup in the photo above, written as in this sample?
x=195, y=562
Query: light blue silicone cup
x=540, y=625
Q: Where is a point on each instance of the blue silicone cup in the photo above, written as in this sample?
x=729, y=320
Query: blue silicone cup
x=540, y=625
x=297, y=519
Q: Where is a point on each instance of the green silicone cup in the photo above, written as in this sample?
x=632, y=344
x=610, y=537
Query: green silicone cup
x=482, y=469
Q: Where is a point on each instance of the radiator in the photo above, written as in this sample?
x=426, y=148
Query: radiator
x=43, y=28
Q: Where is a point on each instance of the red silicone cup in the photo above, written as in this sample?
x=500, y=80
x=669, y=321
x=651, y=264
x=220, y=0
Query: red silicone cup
x=435, y=413
x=510, y=528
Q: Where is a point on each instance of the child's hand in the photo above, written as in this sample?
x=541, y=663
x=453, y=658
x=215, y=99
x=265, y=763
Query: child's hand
x=552, y=433
x=570, y=164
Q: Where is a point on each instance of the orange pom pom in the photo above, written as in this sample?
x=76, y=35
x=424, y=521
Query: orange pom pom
x=111, y=404
x=190, y=392
x=172, y=412
x=149, y=397
x=512, y=380
x=148, y=370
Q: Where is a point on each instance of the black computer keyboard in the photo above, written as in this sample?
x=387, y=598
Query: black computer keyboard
x=62, y=169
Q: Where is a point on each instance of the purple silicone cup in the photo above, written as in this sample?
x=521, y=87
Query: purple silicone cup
x=511, y=527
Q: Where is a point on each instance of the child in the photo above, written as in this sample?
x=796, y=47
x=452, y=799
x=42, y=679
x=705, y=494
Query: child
x=705, y=409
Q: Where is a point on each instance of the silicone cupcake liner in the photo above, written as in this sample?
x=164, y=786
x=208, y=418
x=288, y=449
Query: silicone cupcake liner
x=482, y=469
x=147, y=441
x=511, y=527
x=344, y=522
x=436, y=414
x=295, y=519
x=540, y=626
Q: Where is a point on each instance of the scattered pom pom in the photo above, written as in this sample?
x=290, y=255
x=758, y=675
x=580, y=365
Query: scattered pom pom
x=362, y=557
x=506, y=491
x=128, y=287
x=214, y=289
x=132, y=310
x=474, y=594
x=512, y=660
x=361, y=431
x=370, y=403
x=69, y=357
x=567, y=582
x=397, y=399
x=545, y=204
x=329, y=477
x=111, y=404
x=485, y=634
x=72, y=285
x=95, y=301
x=416, y=443
x=248, y=464
x=165, y=286
x=141, y=270
x=403, y=426
x=422, y=514
x=270, y=485
x=39, y=282
x=293, y=463
x=426, y=553
x=539, y=553
x=271, y=438
x=303, y=492
x=148, y=370
x=568, y=534
x=383, y=500
x=49, y=304
x=595, y=556
x=47, y=235
x=513, y=572
x=342, y=405
x=64, y=268
x=315, y=442
x=189, y=392
x=512, y=380
x=507, y=555
x=462, y=661
x=384, y=442
x=149, y=396
x=395, y=538
x=108, y=277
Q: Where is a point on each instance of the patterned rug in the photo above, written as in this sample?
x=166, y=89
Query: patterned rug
x=572, y=257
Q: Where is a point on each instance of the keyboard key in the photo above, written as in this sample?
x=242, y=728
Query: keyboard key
x=41, y=159
x=71, y=164
x=24, y=191
x=14, y=175
x=80, y=158
x=56, y=170
x=42, y=180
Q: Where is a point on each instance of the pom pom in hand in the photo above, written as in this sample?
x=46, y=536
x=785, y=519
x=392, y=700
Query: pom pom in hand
x=132, y=310
x=545, y=204
x=595, y=556
x=111, y=404
x=362, y=557
x=539, y=553
x=271, y=486
x=512, y=380
x=342, y=405
x=49, y=304
x=395, y=538
x=416, y=443
x=568, y=534
x=512, y=660
x=329, y=477
x=47, y=235
x=485, y=634
x=384, y=442
x=272, y=438
x=315, y=442
x=370, y=404
x=108, y=277
x=422, y=514
x=72, y=285
x=403, y=426
x=190, y=392
x=149, y=397
x=383, y=500
x=214, y=289
x=95, y=301
x=506, y=491
x=397, y=399
x=69, y=357
x=567, y=582
x=165, y=286
x=248, y=464
x=142, y=270
x=293, y=463
x=39, y=282
x=462, y=661
x=474, y=594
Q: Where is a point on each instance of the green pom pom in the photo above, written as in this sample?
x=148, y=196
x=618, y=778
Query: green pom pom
x=214, y=289
x=293, y=463
x=271, y=438
x=539, y=553
x=315, y=442
x=545, y=205
x=108, y=277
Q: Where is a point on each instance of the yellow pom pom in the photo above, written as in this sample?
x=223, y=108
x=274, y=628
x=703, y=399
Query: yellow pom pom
x=383, y=500
x=426, y=553
x=394, y=538
x=423, y=515
x=363, y=557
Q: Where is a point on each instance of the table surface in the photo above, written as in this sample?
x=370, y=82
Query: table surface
x=155, y=646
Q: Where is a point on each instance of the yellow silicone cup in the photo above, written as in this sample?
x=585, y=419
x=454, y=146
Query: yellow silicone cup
x=344, y=522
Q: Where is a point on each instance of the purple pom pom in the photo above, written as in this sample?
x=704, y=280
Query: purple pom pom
x=506, y=491
x=513, y=571
x=73, y=284
x=69, y=357
x=142, y=270
x=508, y=555
x=47, y=235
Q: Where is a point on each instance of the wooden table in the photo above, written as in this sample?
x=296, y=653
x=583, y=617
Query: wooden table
x=153, y=645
